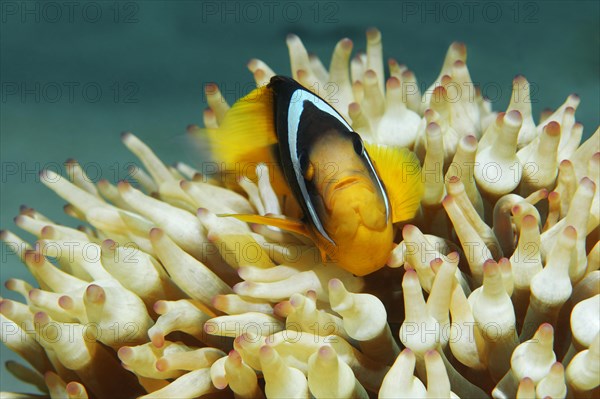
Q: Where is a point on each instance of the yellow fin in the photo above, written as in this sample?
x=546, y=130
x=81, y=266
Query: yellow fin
x=323, y=254
x=400, y=171
x=247, y=129
x=245, y=138
x=288, y=224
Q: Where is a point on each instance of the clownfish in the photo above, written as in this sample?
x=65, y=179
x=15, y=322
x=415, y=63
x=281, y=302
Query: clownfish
x=349, y=192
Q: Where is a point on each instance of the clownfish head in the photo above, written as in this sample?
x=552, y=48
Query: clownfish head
x=350, y=201
x=333, y=179
x=325, y=169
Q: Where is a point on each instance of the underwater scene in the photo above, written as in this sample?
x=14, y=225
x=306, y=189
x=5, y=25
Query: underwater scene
x=298, y=199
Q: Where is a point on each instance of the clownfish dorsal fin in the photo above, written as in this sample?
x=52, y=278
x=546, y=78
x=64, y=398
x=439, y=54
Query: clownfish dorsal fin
x=288, y=224
x=400, y=171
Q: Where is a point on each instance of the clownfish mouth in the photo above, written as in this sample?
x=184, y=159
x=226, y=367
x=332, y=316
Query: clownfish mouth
x=345, y=183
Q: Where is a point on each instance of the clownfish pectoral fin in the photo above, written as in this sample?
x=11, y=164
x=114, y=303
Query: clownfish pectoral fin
x=292, y=225
x=400, y=171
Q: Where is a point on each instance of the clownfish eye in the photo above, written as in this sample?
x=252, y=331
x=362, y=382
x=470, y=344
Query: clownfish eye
x=306, y=168
x=357, y=142
x=303, y=161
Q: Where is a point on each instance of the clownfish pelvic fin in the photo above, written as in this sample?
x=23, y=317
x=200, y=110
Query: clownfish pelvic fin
x=287, y=224
x=284, y=223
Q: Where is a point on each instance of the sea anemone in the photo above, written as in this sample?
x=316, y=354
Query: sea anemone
x=492, y=289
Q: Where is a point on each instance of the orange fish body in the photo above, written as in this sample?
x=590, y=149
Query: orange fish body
x=346, y=208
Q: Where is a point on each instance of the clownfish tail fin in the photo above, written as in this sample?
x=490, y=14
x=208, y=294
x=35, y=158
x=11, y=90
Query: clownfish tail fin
x=245, y=136
x=247, y=127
